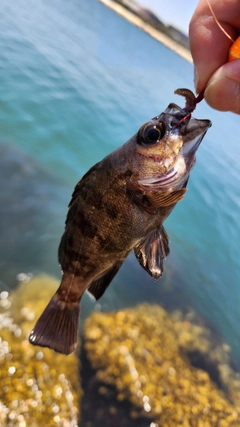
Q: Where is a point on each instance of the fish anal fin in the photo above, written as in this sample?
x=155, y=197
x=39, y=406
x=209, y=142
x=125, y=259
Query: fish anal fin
x=159, y=199
x=57, y=327
x=99, y=285
x=151, y=252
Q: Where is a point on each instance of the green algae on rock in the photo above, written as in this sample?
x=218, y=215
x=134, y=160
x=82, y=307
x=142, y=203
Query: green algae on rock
x=137, y=351
x=37, y=386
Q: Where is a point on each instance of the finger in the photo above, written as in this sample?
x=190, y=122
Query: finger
x=223, y=89
x=208, y=44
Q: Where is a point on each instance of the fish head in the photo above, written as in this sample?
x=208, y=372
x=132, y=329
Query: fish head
x=166, y=146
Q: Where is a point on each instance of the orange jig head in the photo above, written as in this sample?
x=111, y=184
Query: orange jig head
x=234, y=51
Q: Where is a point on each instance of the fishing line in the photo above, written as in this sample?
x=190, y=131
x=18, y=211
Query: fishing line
x=218, y=23
x=234, y=51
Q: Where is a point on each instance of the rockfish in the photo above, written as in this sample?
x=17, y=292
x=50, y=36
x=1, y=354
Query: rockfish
x=118, y=206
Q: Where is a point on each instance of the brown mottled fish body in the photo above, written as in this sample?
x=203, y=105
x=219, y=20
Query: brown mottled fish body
x=118, y=206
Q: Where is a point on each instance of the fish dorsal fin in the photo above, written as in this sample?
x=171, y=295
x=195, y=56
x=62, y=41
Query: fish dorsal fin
x=99, y=286
x=82, y=181
x=151, y=252
x=159, y=199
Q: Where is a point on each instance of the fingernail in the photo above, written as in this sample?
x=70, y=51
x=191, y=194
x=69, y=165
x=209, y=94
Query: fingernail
x=196, y=78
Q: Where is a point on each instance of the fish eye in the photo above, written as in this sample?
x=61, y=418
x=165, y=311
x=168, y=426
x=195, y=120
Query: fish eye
x=151, y=133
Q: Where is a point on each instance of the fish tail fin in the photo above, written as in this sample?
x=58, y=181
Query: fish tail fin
x=57, y=327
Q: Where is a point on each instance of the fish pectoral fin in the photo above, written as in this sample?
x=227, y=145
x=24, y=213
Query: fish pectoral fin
x=99, y=285
x=150, y=200
x=151, y=252
x=159, y=199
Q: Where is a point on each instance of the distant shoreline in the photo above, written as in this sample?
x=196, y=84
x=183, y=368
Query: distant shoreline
x=134, y=19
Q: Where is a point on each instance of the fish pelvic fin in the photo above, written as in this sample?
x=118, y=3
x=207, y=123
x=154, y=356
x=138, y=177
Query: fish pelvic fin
x=151, y=252
x=99, y=285
x=57, y=327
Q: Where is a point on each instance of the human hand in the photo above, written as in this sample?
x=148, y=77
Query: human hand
x=209, y=47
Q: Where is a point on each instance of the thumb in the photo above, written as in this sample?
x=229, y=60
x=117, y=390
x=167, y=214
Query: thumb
x=223, y=89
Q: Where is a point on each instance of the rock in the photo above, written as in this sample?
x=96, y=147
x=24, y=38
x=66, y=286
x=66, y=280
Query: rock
x=38, y=387
x=140, y=352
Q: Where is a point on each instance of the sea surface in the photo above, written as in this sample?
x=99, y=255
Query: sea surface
x=77, y=81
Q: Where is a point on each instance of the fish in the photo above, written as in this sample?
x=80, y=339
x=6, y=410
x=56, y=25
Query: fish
x=117, y=207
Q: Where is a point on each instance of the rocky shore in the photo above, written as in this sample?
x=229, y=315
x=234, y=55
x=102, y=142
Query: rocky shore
x=137, y=367
x=139, y=22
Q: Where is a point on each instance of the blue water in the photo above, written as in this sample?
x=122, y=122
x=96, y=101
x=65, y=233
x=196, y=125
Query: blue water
x=77, y=81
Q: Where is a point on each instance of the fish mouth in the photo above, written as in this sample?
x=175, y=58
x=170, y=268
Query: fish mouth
x=194, y=133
